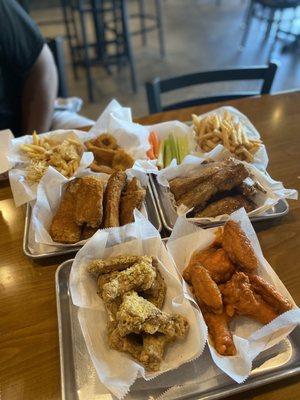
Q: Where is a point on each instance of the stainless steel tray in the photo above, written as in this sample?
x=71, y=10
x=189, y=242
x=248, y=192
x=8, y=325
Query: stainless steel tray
x=80, y=381
x=38, y=251
x=168, y=214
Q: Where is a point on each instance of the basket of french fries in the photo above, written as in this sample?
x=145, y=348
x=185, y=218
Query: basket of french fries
x=228, y=127
x=31, y=155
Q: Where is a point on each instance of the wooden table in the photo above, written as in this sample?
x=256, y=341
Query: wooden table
x=29, y=353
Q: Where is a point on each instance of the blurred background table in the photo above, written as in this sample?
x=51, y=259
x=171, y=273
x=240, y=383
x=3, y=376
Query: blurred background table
x=29, y=350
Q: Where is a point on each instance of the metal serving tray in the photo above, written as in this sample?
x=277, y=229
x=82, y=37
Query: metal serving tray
x=80, y=381
x=168, y=214
x=38, y=251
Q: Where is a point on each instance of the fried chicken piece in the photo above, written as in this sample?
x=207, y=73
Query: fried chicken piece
x=101, y=168
x=89, y=201
x=180, y=186
x=153, y=350
x=122, y=160
x=220, y=334
x=239, y=297
x=128, y=204
x=132, y=186
x=105, y=278
x=137, y=315
x=205, y=289
x=139, y=277
x=87, y=232
x=63, y=228
x=119, y=263
x=232, y=174
x=269, y=294
x=131, y=344
x=215, y=261
x=238, y=247
x=157, y=293
x=226, y=205
x=112, y=198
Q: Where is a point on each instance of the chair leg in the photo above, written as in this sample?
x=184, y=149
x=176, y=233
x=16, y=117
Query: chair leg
x=270, y=23
x=127, y=44
x=65, y=7
x=278, y=22
x=248, y=19
x=160, y=27
x=86, y=59
x=142, y=10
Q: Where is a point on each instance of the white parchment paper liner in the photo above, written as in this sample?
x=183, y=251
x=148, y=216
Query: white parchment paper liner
x=24, y=191
x=6, y=137
x=118, y=371
x=249, y=336
x=191, y=164
x=49, y=194
x=261, y=159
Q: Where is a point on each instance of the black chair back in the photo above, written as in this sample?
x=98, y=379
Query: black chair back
x=56, y=47
x=157, y=86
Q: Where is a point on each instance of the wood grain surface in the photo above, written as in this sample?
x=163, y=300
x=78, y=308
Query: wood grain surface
x=29, y=353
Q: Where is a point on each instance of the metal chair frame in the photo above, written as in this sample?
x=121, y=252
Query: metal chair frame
x=157, y=86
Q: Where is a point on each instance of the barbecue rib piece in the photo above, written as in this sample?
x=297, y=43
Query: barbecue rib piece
x=227, y=205
x=179, y=186
x=232, y=174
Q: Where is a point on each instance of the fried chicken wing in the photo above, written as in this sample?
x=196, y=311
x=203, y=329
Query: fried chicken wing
x=101, y=266
x=269, y=294
x=205, y=289
x=238, y=247
x=219, y=332
x=215, y=261
x=131, y=344
x=137, y=315
x=153, y=350
x=226, y=205
x=157, y=293
x=139, y=277
x=239, y=296
x=89, y=201
x=113, y=192
x=129, y=202
x=63, y=228
x=232, y=174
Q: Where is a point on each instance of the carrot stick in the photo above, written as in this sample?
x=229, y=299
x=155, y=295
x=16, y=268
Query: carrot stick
x=153, y=139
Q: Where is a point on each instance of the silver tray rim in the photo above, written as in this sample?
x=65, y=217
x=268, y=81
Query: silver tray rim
x=169, y=228
x=74, y=249
x=234, y=388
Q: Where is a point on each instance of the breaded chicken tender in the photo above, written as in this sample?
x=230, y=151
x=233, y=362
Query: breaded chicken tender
x=112, y=198
x=89, y=201
x=63, y=228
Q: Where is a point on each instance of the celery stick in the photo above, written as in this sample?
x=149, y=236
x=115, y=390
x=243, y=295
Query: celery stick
x=160, y=158
x=173, y=146
x=168, y=153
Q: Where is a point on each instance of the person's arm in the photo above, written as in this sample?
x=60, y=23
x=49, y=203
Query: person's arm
x=39, y=93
